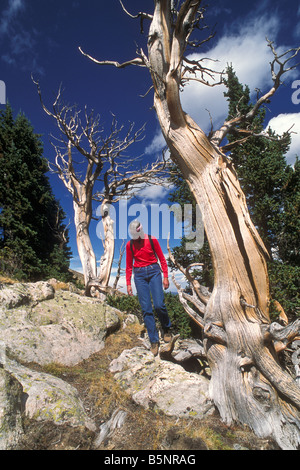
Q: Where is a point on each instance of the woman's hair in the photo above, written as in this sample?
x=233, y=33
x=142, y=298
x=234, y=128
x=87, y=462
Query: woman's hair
x=136, y=230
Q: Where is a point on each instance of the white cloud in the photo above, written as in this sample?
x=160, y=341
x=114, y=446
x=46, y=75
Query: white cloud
x=179, y=279
x=157, y=145
x=246, y=49
x=20, y=45
x=8, y=14
x=76, y=265
x=283, y=123
x=153, y=194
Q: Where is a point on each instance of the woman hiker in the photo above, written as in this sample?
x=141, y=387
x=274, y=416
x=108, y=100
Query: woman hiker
x=141, y=253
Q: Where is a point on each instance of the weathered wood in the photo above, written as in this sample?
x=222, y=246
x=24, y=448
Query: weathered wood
x=296, y=359
x=109, y=245
x=84, y=245
x=166, y=349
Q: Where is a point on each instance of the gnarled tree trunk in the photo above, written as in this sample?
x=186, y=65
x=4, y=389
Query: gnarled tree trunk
x=82, y=219
x=248, y=384
x=109, y=245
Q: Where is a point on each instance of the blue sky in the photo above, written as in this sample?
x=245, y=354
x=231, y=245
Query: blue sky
x=42, y=37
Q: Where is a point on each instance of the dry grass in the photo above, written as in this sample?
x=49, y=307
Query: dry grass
x=7, y=280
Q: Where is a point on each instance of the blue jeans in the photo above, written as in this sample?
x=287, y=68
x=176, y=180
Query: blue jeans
x=148, y=281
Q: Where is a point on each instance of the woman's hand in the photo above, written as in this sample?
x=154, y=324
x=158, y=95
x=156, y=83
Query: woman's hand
x=166, y=283
x=129, y=290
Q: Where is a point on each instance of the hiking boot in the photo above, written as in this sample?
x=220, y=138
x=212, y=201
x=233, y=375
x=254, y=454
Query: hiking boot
x=167, y=336
x=154, y=349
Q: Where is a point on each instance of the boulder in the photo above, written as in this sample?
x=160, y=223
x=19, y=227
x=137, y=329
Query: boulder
x=40, y=325
x=37, y=395
x=47, y=398
x=155, y=383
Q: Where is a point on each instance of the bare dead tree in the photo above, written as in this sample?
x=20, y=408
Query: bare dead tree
x=122, y=178
x=103, y=161
x=248, y=383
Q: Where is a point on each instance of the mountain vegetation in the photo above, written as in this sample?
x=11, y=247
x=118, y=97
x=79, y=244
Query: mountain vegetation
x=33, y=235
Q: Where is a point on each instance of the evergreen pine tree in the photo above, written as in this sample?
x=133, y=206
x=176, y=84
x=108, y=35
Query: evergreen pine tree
x=31, y=220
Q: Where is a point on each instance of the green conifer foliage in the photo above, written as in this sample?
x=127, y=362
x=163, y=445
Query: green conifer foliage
x=33, y=238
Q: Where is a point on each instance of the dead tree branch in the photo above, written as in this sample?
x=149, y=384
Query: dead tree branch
x=279, y=67
x=184, y=301
x=136, y=61
x=143, y=16
x=201, y=292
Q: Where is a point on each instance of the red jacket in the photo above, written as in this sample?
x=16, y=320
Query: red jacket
x=143, y=256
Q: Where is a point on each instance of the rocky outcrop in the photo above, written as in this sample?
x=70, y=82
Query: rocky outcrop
x=40, y=325
x=48, y=398
x=24, y=294
x=39, y=396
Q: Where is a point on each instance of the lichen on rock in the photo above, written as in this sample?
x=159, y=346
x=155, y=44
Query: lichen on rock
x=155, y=383
x=40, y=325
x=48, y=398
